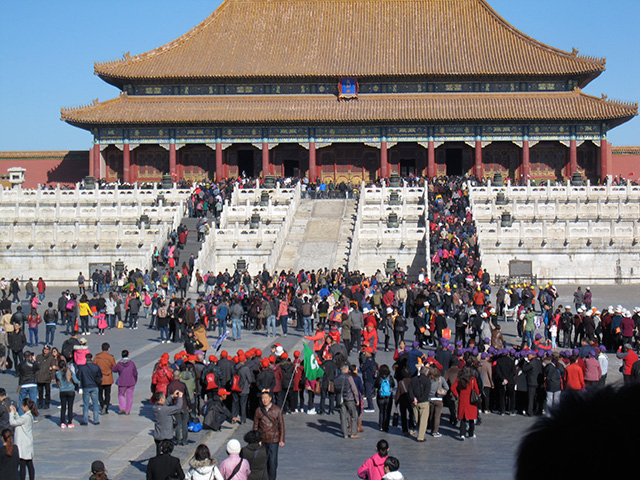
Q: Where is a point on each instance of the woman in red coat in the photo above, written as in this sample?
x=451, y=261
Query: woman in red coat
x=462, y=387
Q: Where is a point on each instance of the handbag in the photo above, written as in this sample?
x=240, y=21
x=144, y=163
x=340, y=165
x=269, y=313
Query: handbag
x=318, y=388
x=441, y=391
x=446, y=333
x=474, y=398
x=331, y=388
x=396, y=419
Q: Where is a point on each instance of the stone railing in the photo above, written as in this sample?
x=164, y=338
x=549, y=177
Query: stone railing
x=133, y=195
x=555, y=192
x=265, y=242
x=278, y=195
x=381, y=195
x=354, y=254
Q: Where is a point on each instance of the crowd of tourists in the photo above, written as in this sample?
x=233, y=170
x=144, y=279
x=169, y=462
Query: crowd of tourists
x=449, y=352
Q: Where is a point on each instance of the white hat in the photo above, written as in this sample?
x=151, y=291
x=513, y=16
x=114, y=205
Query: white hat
x=472, y=311
x=365, y=310
x=580, y=310
x=426, y=304
x=493, y=310
x=598, y=312
x=389, y=310
x=279, y=350
x=589, y=313
x=440, y=310
x=568, y=307
x=618, y=309
x=484, y=315
x=233, y=446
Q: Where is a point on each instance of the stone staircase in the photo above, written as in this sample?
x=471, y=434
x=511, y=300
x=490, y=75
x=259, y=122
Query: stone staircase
x=320, y=235
x=192, y=246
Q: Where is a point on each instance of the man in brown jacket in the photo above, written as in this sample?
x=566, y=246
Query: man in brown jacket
x=270, y=422
x=105, y=361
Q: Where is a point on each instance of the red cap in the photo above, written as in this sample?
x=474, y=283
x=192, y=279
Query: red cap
x=242, y=357
x=222, y=391
x=235, y=359
x=240, y=352
x=213, y=359
x=272, y=358
x=258, y=353
x=265, y=362
x=284, y=356
x=224, y=354
x=296, y=354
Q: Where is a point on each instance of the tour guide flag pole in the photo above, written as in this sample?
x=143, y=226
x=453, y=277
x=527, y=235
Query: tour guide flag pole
x=311, y=368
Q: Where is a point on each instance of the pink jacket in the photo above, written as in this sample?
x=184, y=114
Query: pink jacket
x=373, y=468
x=593, y=371
x=80, y=353
x=229, y=464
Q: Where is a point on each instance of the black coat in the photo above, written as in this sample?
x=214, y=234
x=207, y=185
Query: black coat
x=256, y=455
x=162, y=466
x=506, y=370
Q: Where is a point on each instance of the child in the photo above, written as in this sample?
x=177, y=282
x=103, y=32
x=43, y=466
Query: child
x=391, y=467
x=102, y=322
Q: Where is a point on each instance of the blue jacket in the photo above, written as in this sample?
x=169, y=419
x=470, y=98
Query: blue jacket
x=90, y=375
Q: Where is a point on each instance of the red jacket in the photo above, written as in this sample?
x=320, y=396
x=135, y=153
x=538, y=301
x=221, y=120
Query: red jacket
x=371, y=337
x=574, y=378
x=466, y=411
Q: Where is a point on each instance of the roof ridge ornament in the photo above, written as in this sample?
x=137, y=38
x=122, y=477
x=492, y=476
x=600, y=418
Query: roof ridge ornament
x=575, y=51
x=126, y=56
x=96, y=101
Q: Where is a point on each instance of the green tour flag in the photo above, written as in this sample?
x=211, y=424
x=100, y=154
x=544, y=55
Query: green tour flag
x=311, y=368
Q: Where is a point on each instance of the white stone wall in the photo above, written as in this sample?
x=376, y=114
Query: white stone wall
x=588, y=234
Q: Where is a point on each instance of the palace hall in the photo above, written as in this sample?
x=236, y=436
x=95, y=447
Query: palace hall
x=351, y=90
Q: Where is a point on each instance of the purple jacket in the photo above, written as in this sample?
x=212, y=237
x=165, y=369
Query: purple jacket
x=128, y=373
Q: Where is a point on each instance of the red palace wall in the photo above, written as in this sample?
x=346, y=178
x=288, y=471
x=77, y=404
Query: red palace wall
x=66, y=167
x=627, y=165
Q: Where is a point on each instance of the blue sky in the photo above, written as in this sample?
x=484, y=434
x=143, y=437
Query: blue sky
x=47, y=51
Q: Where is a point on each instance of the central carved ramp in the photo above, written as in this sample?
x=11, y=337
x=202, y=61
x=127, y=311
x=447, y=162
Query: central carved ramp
x=320, y=235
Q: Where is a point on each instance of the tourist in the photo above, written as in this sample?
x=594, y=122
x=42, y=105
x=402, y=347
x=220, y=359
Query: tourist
x=84, y=312
x=283, y=315
x=256, y=454
x=50, y=322
x=24, y=435
x=163, y=417
x=384, y=385
x=628, y=357
x=467, y=411
x=348, y=401
x=27, y=381
x=44, y=376
x=419, y=389
x=106, y=362
x=98, y=471
x=164, y=466
x=90, y=378
x=202, y=466
x=574, y=376
x=67, y=383
x=127, y=380
x=373, y=467
x=269, y=420
x=16, y=343
x=438, y=389
x=392, y=469
x=234, y=467
x=5, y=402
x=182, y=416
x=9, y=456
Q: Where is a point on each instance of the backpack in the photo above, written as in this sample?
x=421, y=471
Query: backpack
x=385, y=388
x=210, y=381
x=306, y=309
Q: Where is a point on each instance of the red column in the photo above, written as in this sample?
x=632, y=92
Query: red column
x=526, y=165
x=313, y=174
x=91, y=162
x=478, y=163
x=219, y=173
x=384, y=160
x=604, y=159
x=97, y=161
x=431, y=159
x=126, y=163
x=173, y=170
x=266, y=170
x=573, y=157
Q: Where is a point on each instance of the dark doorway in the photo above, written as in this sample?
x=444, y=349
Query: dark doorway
x=245, y=163
x=291, y=168
x=454, y=161
x=407, y=167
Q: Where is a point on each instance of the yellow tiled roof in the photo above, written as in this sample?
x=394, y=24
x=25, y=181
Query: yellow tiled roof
x=253, y=109
x=626, y=150
x=362, y=38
